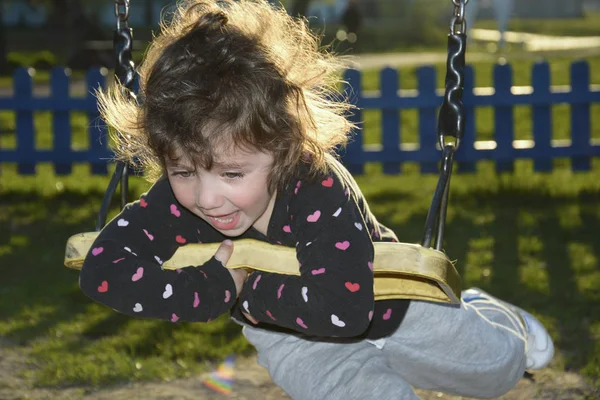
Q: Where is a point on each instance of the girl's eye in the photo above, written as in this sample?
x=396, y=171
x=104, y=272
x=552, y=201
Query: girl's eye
x=233, y=175
x=182, y=174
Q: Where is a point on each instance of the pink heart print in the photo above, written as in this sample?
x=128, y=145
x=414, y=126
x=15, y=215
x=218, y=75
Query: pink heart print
x=150, y=236
x=271, y=315
x=180, y=239
x=342, y=245
x=227, y=296
x=279, y=290
x=327, y=182
x=370, y=315
x=256, y=282
x=387, y=314
x=103, y=288
x=174, y=317
x=353, y=287
x=318, y=271
x=97, y=250
x=175, y=211
x=370, y=264
x=287, y=229
x=314, y=217
x=143, y=203
x=138, y=274
x=196, y=300
x=301, y=323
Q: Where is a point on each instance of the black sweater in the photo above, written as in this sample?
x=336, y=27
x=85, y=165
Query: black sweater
x=327, y=220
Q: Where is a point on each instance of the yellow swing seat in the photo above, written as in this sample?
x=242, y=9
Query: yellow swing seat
x=401, y=270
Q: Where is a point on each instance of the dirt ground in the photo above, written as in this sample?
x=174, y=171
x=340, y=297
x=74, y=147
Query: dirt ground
x=251, y=382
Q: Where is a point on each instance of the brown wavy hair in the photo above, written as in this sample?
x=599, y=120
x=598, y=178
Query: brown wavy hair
x=231, y=71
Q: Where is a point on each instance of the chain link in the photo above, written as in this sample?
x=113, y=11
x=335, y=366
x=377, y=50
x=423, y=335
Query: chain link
x=459, y=18
x=122, y=12
x=123, y=41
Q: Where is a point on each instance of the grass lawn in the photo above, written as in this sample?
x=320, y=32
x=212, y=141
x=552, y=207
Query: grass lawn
x=585, y=26
x=529, y=238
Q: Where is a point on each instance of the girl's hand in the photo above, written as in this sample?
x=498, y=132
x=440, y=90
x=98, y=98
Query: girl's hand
x=250, y=318
x=239, y=276
x=223, y=254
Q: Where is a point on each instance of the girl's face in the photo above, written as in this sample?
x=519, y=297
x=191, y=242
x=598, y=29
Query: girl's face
x=233, y=196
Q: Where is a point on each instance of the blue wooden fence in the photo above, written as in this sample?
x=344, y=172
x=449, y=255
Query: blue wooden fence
x=391, y=152
x=504, y=151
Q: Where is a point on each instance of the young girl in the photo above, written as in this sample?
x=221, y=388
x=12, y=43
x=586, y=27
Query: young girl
x=236, y=126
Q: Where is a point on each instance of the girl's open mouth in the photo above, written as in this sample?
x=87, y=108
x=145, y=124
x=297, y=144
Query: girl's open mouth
x=226, y=222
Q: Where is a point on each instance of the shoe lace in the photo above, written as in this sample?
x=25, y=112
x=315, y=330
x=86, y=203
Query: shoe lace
x=518, y=324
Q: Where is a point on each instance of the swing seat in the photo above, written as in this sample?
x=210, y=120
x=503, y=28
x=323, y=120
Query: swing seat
x=401, y=270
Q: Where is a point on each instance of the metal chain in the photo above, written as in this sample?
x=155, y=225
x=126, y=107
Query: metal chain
x=459, y=17
x=451, y=125
x=123, y=42
x=125, y=74
x=121, y=12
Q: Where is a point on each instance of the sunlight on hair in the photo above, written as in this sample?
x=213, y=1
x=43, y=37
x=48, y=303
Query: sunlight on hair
x=315, y=109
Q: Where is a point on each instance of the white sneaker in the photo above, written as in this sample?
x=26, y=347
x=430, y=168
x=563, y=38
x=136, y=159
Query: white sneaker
x=539, y=348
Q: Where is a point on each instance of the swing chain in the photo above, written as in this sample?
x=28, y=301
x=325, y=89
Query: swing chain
x=123, y=43
x=451, y=126
x=121, y=12
x=125, y=74
x=459, y=18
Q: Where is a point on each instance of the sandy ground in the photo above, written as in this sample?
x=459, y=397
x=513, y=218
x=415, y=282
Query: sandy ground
x=251, y=382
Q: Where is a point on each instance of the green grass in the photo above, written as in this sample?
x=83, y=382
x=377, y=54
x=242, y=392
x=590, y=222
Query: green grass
x=530, y=238
x=586, y=26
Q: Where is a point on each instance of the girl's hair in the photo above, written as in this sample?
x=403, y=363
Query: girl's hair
x=236, y=72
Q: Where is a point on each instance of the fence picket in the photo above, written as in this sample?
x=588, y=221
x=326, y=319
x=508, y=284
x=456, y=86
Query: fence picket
x=390, y=120
x=542, y=117
x=23, y=89
x=353, y=156
x=466, y=149
x=580, y=116
x=503, y=118
x=97, y=131
x=428, y=138
x=61, y=123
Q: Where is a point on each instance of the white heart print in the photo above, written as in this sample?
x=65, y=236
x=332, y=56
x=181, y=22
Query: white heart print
x=127, y=249
x=245, y=304
x=336, y=321
x=158, y=260
x=168, y=291
x=305, y=294
x=138, y=308
x=337, y=212
x=122, y=222
x=358, y=226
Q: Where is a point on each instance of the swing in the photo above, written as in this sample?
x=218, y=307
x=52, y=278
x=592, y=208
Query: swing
x=401, y=270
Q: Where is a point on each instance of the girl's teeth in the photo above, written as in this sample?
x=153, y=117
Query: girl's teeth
x=225, y=221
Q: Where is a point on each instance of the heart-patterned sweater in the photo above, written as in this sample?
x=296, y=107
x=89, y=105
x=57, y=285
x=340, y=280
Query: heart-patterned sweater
x=326, y=219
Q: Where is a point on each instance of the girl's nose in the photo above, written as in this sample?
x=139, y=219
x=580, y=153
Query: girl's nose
x=208, y=196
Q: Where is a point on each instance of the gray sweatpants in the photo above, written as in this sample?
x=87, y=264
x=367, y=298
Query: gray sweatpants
x=437, y=347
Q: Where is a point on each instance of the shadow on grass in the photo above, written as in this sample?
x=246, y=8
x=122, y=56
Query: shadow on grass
x=40, y=298
x=519, y=245
x=529, y=257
